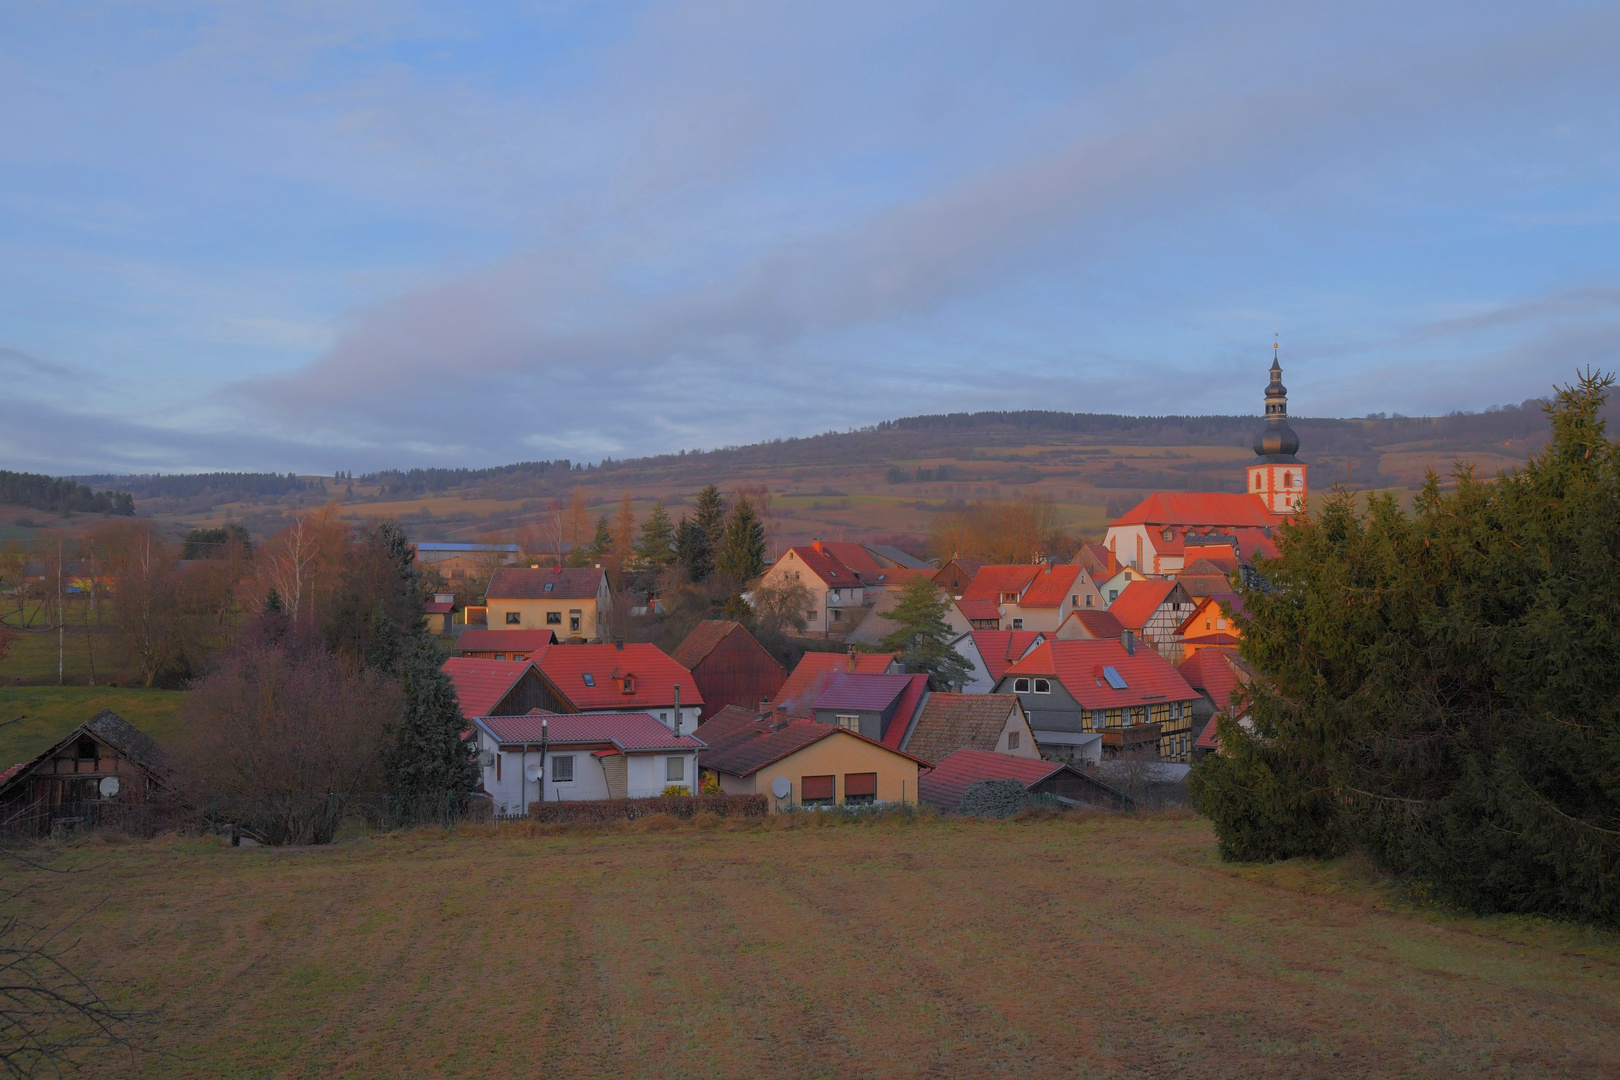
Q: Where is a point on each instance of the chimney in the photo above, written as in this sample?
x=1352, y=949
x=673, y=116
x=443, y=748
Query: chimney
x=1127, y=638
x=764, y=706
x=618, y=643
x=849, y=661
x=816, y=543
x=779, y=718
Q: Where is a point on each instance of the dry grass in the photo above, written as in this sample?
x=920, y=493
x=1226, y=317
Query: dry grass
x=50, y=712
x=1100, y=947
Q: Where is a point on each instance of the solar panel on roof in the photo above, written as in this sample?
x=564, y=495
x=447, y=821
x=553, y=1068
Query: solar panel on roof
x=1115, y=679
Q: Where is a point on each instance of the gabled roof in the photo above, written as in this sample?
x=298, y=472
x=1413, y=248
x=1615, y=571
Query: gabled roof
x=1097, y=558
x=833, y=572
x=572, y=669
x=970, y=567
x=854, y=556
x=905, y=711
x=1187, y=508
x=705, y=637
x=481, y=684
x=631, y=732
x=1089, y=623
x=1000, y=649
x=726, y=728
x=475, y=639
x=815, y=668
x=548, y=583
x=951, y=722
x=979, y=610
x=1226, y=602
x=1216, y=671
x=111, y=729
x=750, y=746
x=991, y=581
x=944, y=785
x=1208, y=739
x=1052, y=586
x=1079, y=666
x=1139, y=601
x=863, y=693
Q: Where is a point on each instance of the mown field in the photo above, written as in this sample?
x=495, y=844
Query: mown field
x=1083, y=947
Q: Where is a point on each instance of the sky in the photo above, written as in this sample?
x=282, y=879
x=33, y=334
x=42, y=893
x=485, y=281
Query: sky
x=359, y=234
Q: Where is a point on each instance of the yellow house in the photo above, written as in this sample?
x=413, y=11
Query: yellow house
x=572, y=602
x=800, y=763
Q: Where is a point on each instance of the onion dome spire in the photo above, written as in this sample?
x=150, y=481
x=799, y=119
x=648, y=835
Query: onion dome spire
x=1276, y=438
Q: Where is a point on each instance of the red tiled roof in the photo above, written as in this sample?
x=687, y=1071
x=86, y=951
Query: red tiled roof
x=1052, y=586
x=1208, y=741
x=565, y=583
x=1000, y=649
x=703, y=640
x=634, y=732
x=854, y=556
x=991, y=581
x=481, y=684
x=474, y=640
x=833, y=571
x=1226, y=602
x=439, y=608
x=1098, y=624
x=894, y=736
x=1078, y=665
x=656, y=676
x=1215, y=671
x=1139, y=601
x=816, y=668
x=865, y=693
x=981, y=610
x=1189, y=508
x=944, y=785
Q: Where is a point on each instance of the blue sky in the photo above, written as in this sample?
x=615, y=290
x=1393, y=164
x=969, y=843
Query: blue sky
x=346, y=235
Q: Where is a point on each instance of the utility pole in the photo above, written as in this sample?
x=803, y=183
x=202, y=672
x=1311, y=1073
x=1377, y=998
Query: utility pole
x=61, y=621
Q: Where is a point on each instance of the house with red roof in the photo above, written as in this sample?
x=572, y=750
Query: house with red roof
x=573, y=602
x=944, y=785
x=1219, y=674
x=483, y=644
x=1089, y=626
x=1210, y=624
x=1115, y=688
x=880, y=707
x=497, y=687
x=815, y=669
x=729, y=665
x=991, y=652
x=620, y=677
x=798, y=763
x=552, y=757
x=837, y=593
x=1112, y=587
x=879, y=622
x=1153, y=609
x=1037, y=597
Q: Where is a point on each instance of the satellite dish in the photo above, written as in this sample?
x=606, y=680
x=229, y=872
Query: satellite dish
x=108, y=786
x=531, y=772
x=486, y=758
x=781, y=787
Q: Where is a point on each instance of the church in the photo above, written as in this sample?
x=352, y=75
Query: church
x=1168, y=530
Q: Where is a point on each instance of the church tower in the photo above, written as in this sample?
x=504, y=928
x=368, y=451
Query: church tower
x=1277, y=477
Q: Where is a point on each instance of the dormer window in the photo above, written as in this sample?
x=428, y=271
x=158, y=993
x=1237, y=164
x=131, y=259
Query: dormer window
x=1020, y=686
x=628, y=684
x=1168, y=536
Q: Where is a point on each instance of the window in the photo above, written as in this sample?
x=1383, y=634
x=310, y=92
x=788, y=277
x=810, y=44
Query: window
x=562, y=768
x=1018, y=624
x=1288, y=500
x=1257, y=481
x=548, y=586
x=628, y=685
x=810, y=616
x=1043, y=686
x=514, y=618
x=852, y=723
x=519, y=656
x=674, y=768
x=860, y=787
x=836, y=615
x=1220, y=624
x=590, y=680
x=1099, y=718
x=86, y=749
x=1020, y=686
x=1113, y=594
x=1074, y=601
x=553, y=618
x=1088, y=599
x=817, y=790
x=1013, y=738
x=1009, y=598
x=573, y=620
x=1288, y=479
x=500, y=656
x=1208, y=625
x=1168, y=535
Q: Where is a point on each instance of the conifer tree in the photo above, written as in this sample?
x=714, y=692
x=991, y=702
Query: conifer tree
x=923, y=637
x=425, y=758
x=693, y=550
x=655, y=549
x=602, y=542
x=742, y=553
x=709, y=515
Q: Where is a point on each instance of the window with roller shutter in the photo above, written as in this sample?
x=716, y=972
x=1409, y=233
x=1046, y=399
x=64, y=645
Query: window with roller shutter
x=818, y=790
x=860, y=787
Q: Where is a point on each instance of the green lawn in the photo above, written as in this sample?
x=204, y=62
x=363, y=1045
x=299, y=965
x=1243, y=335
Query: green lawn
x=1096, y=946
x=53, y=711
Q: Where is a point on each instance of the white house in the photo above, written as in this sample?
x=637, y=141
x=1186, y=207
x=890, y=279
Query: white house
x=578, y=756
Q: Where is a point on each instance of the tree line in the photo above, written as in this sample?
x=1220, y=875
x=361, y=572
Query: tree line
x=1439, y=687
x=61, y=495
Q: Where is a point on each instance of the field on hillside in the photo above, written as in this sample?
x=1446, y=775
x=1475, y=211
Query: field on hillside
x=1089, y=947
x=50, y=712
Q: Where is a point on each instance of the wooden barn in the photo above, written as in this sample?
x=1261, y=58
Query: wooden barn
x=101, y=766
x=729, y=666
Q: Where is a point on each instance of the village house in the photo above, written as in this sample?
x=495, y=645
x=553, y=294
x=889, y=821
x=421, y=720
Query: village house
x=620, y=677
x=572, y=602
x=837, y=595
x=728, y=665
x=950, y=722
x=1154, y=609
x=556, y=757
x=878, y=623
x=955, y=576
x=990, y=653
x=1109, y=687
x=1059, y=590
x=98, y=768
x=815, y=669
x=1089, y=626
x=802, y=763
x=496, y=687
x=944, y=785
x=484, y=644
x=1112, y=586
x=1204, y=577
x=1218, y=673
x=880, y=707
x=1210, y=624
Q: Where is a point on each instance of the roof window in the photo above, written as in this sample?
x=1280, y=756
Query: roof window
x=1115, y=679
x=548, y=586
x=590, y=680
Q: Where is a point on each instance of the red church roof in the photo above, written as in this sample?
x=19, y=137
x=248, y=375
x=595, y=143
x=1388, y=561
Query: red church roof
x=1188, y=508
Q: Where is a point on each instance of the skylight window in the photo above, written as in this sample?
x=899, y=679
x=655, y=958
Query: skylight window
x=590, y=680
x=548, y=586
x=1115, y=679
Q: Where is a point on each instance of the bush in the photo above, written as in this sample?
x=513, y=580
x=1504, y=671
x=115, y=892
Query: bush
x=601, y=811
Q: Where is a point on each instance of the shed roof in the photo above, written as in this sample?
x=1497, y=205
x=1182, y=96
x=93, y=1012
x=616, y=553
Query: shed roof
x=1001, y=649
x=554, y=582
x=905, y=711
x=864, y=693
x=951, y=722
x=980, y=609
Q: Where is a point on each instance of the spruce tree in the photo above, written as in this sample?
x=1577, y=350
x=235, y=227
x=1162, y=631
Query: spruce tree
x=655, y=549
x=693, y=551
x=709, y=515
x=602, y=542
x=426, y=759
x=742, y=553
x=923, y=637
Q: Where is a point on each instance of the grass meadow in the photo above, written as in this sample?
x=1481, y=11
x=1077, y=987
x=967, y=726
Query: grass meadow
x=47, y=713
x=1100, y=946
